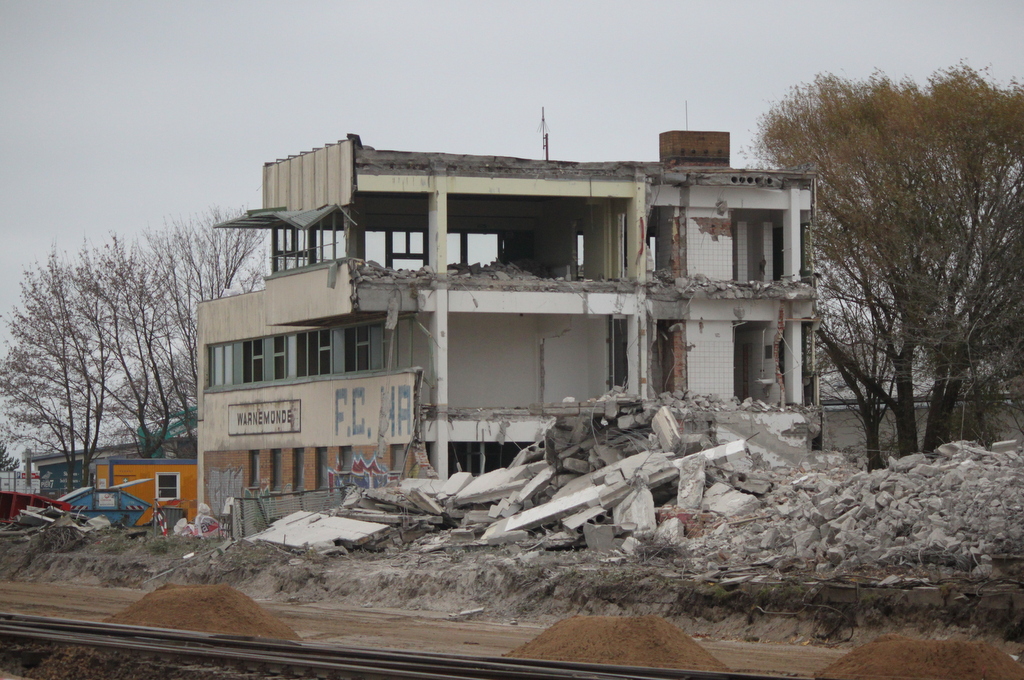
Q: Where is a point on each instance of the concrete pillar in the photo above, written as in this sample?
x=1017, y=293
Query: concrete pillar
x=768, y=251
x=635, y=369
x=644, y=338
x=794, y=376
x=791, y=237
x=437, y=248
x=437, y=226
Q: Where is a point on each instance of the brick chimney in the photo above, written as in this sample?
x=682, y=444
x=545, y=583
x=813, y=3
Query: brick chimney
x=690, y=147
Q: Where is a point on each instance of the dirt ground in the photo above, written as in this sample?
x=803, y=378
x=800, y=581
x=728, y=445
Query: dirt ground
x=406, y=600
x=329, y=623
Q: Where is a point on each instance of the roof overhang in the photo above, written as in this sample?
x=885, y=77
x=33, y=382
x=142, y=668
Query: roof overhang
x=275, y=218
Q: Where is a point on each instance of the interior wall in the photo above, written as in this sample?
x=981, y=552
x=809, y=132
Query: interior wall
x=556, y=237
x=492, y=360
x=495, y=359
x=753, y=251
x=709, y=361
x=755, y=336
x=575, y=356
x=709, y=251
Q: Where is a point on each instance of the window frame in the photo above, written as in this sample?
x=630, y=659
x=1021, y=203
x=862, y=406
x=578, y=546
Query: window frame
x=158, y=489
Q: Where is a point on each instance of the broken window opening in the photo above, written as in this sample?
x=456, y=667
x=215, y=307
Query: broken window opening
x=617, y=355
x=396, y=248
x=291, y=247
x=480, y=457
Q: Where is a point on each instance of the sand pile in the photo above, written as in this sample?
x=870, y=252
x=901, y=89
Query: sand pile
x=895, y=656
x=209, y=609
x=621, y=640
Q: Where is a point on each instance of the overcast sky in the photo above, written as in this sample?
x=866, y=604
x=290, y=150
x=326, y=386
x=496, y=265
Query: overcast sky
x=115, y=116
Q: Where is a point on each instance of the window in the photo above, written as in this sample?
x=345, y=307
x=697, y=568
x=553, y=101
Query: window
x=313, y=353
x=168, y=486
x=334, y=351
x=252, y=361
x=275, y=469
x=363, y=348
x=221, y=368
x=298, y=471
x=254, y=468
x=321, y=467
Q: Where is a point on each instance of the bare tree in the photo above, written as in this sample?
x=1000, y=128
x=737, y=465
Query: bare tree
x=200, y=263
x=54, y=375
x=920, y=223
x=133, y=319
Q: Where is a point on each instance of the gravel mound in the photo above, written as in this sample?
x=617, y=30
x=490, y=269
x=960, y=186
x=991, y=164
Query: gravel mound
x=209, y=609
x=620, y=640
x=895, y=656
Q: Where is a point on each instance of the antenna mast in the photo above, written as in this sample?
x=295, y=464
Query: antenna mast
x=544, y=130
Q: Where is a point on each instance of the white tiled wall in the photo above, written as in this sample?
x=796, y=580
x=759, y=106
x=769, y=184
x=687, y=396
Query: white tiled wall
x=709, y=362
x=707, y=254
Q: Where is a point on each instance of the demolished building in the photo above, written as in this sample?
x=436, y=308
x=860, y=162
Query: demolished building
x=382, y=348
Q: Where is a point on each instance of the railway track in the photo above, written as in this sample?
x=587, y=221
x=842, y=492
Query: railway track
x=304, y=659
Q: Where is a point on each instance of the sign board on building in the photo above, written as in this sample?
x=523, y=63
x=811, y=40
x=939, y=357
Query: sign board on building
x=265, y=417
x=106, y=500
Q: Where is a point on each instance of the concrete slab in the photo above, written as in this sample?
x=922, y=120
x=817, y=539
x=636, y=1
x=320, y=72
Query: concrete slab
x=456, y=483
x=302, y=529
x=554, y=510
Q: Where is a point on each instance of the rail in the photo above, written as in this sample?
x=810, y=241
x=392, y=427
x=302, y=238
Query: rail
x=328, y=660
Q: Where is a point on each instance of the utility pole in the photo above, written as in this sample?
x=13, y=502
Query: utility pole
x=543, y=129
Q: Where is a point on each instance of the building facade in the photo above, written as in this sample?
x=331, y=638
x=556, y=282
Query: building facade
x=381, y=345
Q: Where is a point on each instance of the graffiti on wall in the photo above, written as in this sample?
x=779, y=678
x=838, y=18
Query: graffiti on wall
x=222, y=484
x=353, y=418
x=368, y=472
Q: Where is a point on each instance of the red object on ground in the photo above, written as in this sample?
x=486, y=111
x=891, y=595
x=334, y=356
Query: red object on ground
x=12, y=503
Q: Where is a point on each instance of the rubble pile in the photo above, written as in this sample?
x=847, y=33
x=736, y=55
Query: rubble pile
x=621, y=474
x=715, y=289
x=951, y=509
x=684, y=403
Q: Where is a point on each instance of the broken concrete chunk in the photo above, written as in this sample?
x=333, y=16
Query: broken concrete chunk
x=665, y=426
x=507, y=537
x=671, y=530
x=576, y=465
x=691, y=481
x=497, y=484
x=638, y=508
x=613, y=494
x=730, y=452
x=599, y=537
x=424, y=502
x=456, y=483
x=726, y=501
x=576, y=521
x=608, y=454
x=750, y=483
x=534, y=486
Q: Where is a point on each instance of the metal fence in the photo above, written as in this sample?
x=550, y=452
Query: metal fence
x=253, y=514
